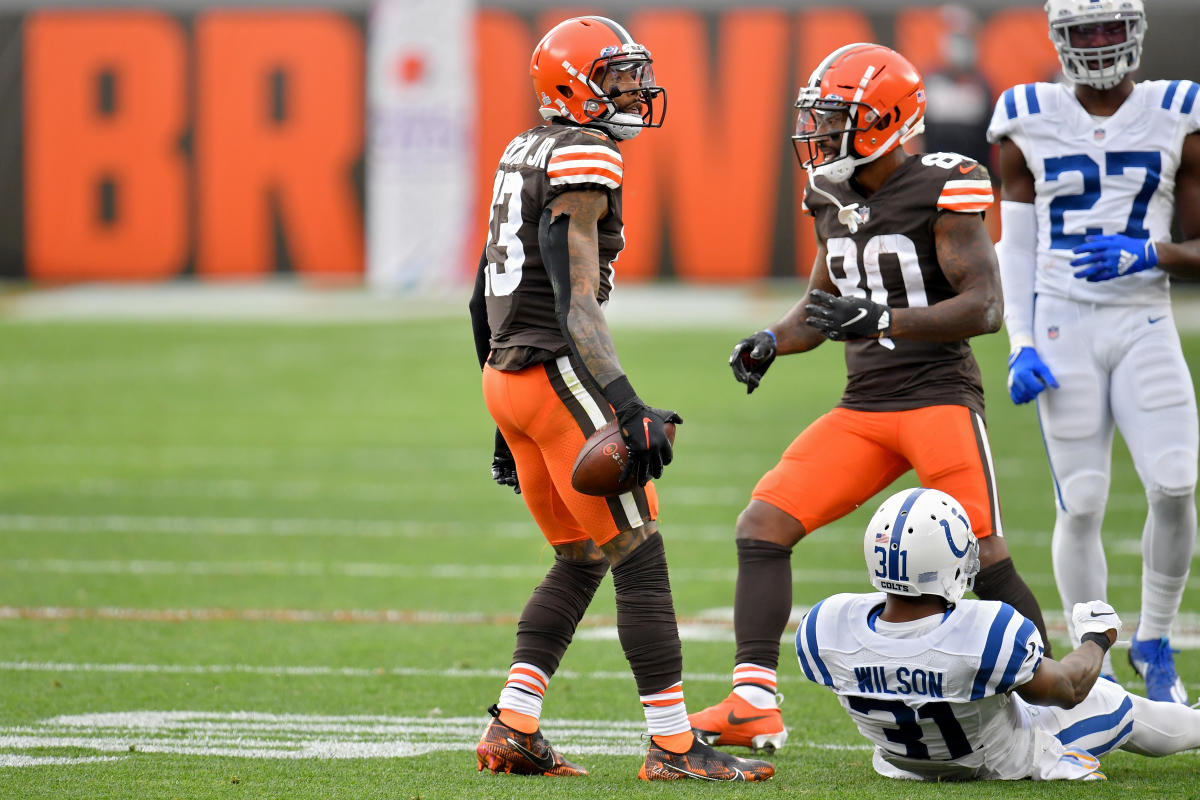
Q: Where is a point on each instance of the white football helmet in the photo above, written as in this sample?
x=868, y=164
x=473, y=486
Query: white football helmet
x=920, y=542
x=1107, y=41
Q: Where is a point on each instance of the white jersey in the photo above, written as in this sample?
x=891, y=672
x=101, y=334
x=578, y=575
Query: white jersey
x=1104, y=175
x=936, y=706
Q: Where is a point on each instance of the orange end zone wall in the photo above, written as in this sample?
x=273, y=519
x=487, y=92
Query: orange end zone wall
x=229, y=143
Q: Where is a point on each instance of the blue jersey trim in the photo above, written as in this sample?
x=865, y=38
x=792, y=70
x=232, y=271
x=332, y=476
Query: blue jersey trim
x=1031, y=98
x=1017, y=658
x=1190, y=98
x=799, y=650
x=1010, y=103
x=1169, y=97
x=987, y=663
x=810, y=640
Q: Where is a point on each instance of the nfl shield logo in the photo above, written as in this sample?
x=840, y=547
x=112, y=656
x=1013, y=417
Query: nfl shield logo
x=1098, y=134
x=863, y=214
x=1052, y=331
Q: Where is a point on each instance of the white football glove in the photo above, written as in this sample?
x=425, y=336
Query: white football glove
x=1095, y=616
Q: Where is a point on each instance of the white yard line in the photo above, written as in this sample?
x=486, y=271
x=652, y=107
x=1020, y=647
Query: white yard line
x=472, y=572
x=262, y=735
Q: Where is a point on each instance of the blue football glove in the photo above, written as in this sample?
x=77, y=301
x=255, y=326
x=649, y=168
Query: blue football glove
x=1107, y=257
x=1028, y=376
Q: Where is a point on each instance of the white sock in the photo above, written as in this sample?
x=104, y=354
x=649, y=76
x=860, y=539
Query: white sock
x=666, y=713
x=1161, y=596
x=756, y=685
x=524, y=690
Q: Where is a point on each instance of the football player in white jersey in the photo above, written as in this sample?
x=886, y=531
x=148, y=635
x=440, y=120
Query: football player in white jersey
x=1091, y=173
x=954, y=689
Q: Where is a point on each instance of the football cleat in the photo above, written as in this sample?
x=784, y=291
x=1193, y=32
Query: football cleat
x=503, y=749
x=702, y=763
x=1154, y=660
x=735, y=722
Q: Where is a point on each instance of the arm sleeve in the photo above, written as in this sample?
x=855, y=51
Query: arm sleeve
x=478, y=308
x=1017, y=254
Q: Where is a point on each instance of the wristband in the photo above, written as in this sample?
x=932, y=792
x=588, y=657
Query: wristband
x=1099, y=638
x=771, y=333
x=619, y=392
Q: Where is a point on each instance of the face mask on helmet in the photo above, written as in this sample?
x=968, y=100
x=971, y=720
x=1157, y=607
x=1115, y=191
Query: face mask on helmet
x=590, y=71
x=1099, y=42
x=920, y=542
x=863, y=101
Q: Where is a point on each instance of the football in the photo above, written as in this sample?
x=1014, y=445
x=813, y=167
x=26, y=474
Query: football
x=599, y=463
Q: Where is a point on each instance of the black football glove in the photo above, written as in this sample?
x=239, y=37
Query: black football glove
x=643, y=429
x=845, y=318
x=504, y=466
x=751, y=357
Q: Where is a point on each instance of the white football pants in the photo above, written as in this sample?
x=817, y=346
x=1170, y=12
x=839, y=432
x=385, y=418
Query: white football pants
x=1118, y=366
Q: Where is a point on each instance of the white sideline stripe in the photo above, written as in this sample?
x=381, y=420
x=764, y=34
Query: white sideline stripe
x=14, y=760
x=531, y=571
x=251, y=526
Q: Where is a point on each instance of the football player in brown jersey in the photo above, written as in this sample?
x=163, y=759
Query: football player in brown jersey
x=551, y=378
x=905, y=274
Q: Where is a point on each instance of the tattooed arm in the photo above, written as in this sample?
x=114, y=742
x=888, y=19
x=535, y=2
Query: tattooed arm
x=585, y=322
x=968, y=260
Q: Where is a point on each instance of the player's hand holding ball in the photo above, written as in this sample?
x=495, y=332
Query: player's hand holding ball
x=644, y=430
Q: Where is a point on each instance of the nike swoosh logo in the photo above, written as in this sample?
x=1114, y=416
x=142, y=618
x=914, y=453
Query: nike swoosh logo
x=646, y=430
x=1101, y=614
x=966, y=168
x=735, y=720
x=1153, y=320
x=737, y=774
x=862, y=312
x=543, y=763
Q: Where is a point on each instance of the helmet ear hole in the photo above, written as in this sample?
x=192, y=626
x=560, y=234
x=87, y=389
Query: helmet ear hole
x=565, y=91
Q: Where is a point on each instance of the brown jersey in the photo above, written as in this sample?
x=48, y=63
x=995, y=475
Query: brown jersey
x=891, y=259
x=537, y=166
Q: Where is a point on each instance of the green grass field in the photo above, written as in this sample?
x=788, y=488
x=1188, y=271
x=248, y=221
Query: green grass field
x=267, y=561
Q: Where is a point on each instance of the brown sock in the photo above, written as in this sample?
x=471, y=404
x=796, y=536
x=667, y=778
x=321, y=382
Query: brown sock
x=676, y=742
x=522, y=723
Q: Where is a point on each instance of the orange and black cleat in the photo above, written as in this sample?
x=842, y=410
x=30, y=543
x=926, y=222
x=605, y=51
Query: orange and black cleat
x=701, y=763
x=503, y=749
x=735, y=722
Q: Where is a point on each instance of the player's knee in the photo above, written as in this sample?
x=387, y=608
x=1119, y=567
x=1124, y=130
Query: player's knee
x=764, y=522
x=1173, y=474
x=1085, y=492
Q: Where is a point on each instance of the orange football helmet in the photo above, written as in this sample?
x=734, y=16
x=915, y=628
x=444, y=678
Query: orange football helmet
x=862, y=101
x=584, y=65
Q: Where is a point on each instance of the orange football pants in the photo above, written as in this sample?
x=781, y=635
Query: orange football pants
x=546, y=412
x=845, y=457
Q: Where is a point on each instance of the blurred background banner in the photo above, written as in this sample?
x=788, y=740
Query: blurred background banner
x=420, y=166
x=179, y=139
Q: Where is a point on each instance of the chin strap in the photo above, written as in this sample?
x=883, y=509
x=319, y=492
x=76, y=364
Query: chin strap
x=846, y=214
